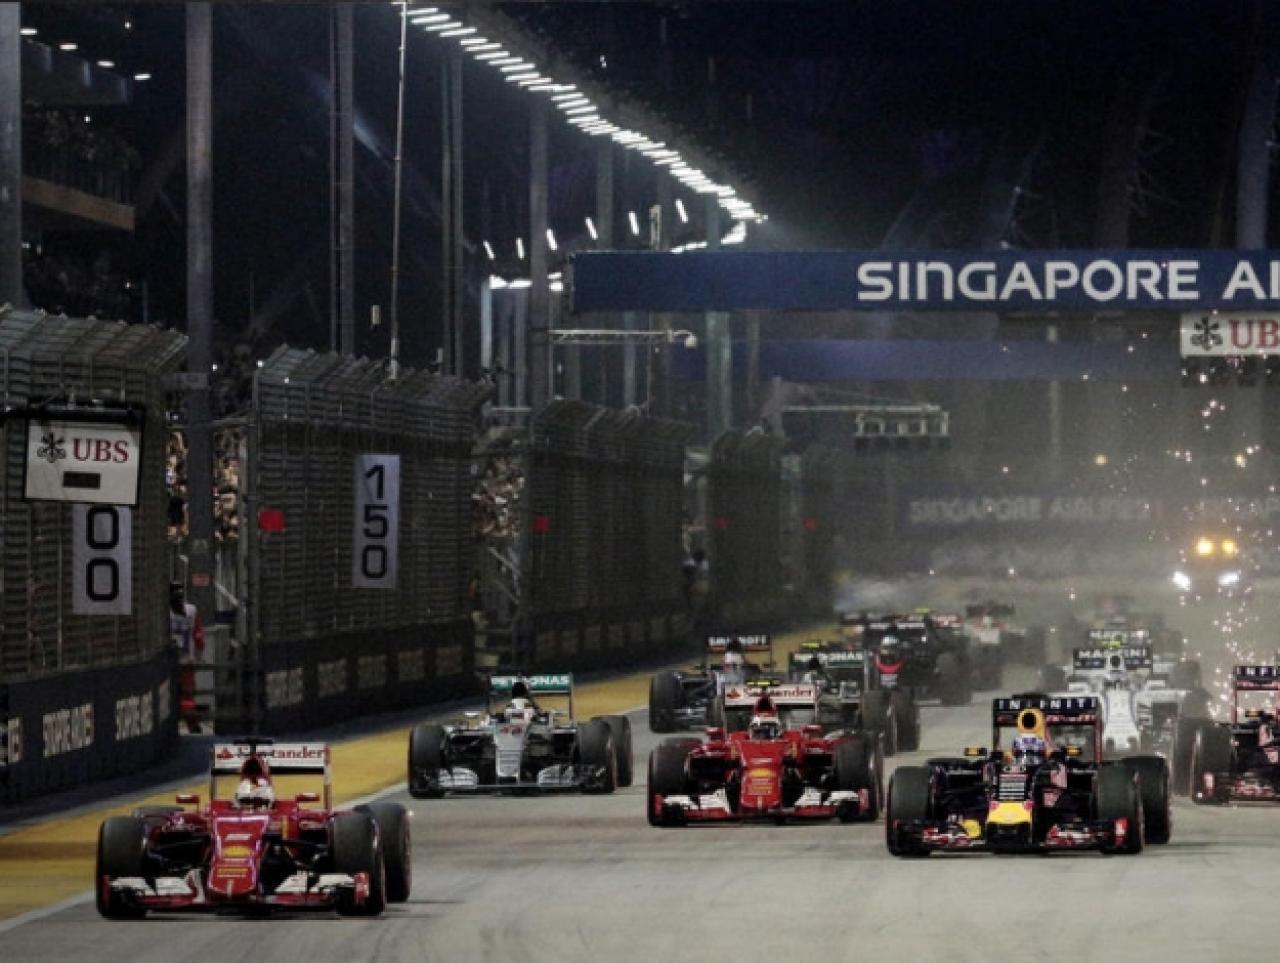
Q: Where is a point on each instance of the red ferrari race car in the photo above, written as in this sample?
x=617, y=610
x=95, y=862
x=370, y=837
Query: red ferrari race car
x=771, y=761
x=255, y=851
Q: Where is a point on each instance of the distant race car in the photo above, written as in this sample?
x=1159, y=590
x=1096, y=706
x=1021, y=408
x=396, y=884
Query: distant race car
x=521, y=745
x=995, y=626
x=254, y=851
x=1143, y=697
x=770, y=762
x=1042, y=787
x=1210, y=567
x=688, y=698
x=849, y=697
x=1236, y=761
x=911, y=652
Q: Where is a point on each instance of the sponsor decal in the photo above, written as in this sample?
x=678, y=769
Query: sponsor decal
x=10, y=742
x=411, y=665
x=236, y=852
x=135, y=716
x=371, y=672
x=76, y=461
x=68, y=730
x=284, y=688
x=331, y=678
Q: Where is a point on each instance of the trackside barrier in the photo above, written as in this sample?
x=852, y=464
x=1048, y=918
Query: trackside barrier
x=595, y=571
x=82, y=696
x=744, y=529
x=351, y=614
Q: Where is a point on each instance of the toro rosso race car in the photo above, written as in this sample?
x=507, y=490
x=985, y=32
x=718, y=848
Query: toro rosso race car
x=1143, y=698
x=519, y=745
x=685, y=699
x=911, y=653
x=772, y=762
x=1236, y=761
x=848, y=697
x=1042, y=787
x=255, y=851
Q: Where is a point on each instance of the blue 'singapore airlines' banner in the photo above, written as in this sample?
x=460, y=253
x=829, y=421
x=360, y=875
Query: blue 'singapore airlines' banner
x=1025, y=281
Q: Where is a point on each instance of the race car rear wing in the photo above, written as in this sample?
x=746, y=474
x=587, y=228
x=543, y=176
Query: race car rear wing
x=719, y=644
x=544, y=684
x=1129, y=657
x=780, y=693
x=1120, y=636
x=281, y=758
x=1057, y=710
x=1256, y=678
x=829, y=658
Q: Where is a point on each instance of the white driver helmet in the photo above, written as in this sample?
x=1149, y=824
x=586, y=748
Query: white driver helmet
x=255, y=794
x=518, y=709
x=765, y=727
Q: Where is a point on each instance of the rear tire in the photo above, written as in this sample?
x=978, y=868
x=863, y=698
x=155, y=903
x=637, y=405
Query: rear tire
x=121, y=852
x=855, y=770
x=1184, y=745
x=620, y=726
x=666, y=778
x=1195, y=705
x=1211, y=755
x=1153, y=788
x=397, y=848
x=357, y=849
x=426, y=755
x=906, y=717
x=908, y=800
x=1116, y=796
x=597, y=749
x=665, y=697
x=877, y=717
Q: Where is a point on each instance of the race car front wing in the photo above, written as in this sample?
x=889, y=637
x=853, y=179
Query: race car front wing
x=715, y=807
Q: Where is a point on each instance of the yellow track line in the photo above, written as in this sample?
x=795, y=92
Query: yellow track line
x=53, y=860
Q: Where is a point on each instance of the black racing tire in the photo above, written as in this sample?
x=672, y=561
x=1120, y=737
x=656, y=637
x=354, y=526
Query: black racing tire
x=1211, y=755
x=620, y=726
x=666, y=778
x=906, y=716
x=397, y=847
x=909, y=799
x=596, y=748
x=1185, y=675
x=1195, y=705
x=684, y=742
x=1116, y=796
x=666, y=695
x=426, y=754
x=357, y=848
x=1153, y=787
x=877, y=716
x=122, y=844
x=1053, y=678
x=1184, y=744
x=856, y=769
x=954, y=685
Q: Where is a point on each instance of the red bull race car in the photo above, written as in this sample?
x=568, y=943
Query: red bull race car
x=1042, y=787
x=255, y=851
x=770, y=761
x=1236, y=761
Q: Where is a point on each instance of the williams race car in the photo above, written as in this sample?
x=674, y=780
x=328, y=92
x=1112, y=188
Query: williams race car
x=1041, y=788
x=1236, y=761
x=1143, y=698
x=254, y=851
x=521, y=745
x=773, y=763
x=685, y=699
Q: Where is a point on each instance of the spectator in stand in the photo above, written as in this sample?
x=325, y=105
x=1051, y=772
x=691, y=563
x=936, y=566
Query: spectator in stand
x=187, y=636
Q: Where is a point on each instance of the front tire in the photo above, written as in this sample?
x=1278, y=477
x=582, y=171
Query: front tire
x=397, y=848
x=357, y=849
x=666, y=778
x=908, y=800
x=1211, y=756
x=121, y=852
x=620, y=726
x=1153, y=788
x=665, y=697
x=426, y=755
x=877, y=717
x=597, y=751
x=856, y=770
x=906, y=717
x=1116, y=796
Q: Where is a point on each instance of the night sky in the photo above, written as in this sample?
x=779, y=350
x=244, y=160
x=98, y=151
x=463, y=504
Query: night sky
x=858, y=123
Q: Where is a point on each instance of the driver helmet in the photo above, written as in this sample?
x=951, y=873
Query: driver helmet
x=1028, y=750
x=519, y=710
x=765, y=726
x=255, y=793
x=815, y=664
x=889, y=647
x=733, y=658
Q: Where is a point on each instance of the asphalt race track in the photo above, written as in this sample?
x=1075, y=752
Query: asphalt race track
x=585, y=878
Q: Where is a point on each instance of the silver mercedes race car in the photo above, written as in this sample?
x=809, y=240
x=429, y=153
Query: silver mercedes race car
x=519, y=745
